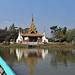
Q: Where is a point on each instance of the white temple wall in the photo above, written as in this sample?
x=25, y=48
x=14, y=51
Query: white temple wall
x=26, y=38
x=44, y=39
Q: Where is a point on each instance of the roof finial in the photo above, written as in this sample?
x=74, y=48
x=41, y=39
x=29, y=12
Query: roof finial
x=19, y=30
x=32, y=17
x=44, y=30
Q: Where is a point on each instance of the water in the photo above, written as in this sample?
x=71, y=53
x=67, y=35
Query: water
x=40, y=61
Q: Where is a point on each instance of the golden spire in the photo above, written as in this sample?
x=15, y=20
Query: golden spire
x=32, y=23
x=19, y=30
x=32, y=18
x=44, y=30
x=32, y=27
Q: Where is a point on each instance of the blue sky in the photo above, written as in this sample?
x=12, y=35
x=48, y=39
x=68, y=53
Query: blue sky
x=46, y=13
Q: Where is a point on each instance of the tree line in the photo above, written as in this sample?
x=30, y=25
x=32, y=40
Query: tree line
x=58, y=33
x=62, y=34
x=7, y=34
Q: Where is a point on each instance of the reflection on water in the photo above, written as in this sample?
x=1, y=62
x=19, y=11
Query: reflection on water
x=63, y=57
x=31, y=56
x=25, y=53
x=39, y=61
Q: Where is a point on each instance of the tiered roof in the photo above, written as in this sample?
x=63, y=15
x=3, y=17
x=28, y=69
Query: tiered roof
x=32, y=30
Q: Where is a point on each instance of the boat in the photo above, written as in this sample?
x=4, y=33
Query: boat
x=4, y=68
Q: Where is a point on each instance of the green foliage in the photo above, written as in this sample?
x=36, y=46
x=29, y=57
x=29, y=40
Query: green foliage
x=58, y=33
x=26, y=30
x=12, y=33
x=20, y=29
x=12, y=28
x=5, y=35
x=53, y=29
x=5, y=29
x=63, y=34
x=64, y=30
x=70, y=35
x=50, y=39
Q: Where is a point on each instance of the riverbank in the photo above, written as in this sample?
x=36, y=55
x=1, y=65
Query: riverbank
x=49, y=45
x=57, y=45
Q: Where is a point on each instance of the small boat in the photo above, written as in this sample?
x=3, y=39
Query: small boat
x=4, y=68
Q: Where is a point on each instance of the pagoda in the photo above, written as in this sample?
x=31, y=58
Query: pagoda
x=32, y=35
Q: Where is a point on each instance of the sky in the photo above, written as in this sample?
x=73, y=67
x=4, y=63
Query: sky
x=46, y=13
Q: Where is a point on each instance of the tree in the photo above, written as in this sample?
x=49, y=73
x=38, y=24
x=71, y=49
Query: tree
x=26, y=30
x=5, y=29
x=20, y=29
x=12, y=27
x=53, y=29
x=3, y=35
x=70, y=35
x=58, y=33
x=64, y=30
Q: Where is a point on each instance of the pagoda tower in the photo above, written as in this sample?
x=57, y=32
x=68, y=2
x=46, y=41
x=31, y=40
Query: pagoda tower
x=32, y=29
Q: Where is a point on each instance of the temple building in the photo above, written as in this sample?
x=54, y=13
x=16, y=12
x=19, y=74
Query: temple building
x=32, y=35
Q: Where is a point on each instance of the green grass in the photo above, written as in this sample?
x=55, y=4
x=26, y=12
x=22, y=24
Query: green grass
x=50, y=45
x=14, y=46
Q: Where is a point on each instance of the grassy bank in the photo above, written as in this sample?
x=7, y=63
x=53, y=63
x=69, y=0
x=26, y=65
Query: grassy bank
x=50, y=45
x=57, y=45
x=13, y=46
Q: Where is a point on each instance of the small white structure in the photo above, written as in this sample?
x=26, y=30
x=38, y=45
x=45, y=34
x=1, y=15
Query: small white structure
x=20, y=38
x=44, y=38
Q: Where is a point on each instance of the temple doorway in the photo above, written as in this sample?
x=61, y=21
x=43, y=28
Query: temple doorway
x=32, y=39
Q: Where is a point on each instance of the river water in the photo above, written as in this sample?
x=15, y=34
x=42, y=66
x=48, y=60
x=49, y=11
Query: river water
x=40, y=61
